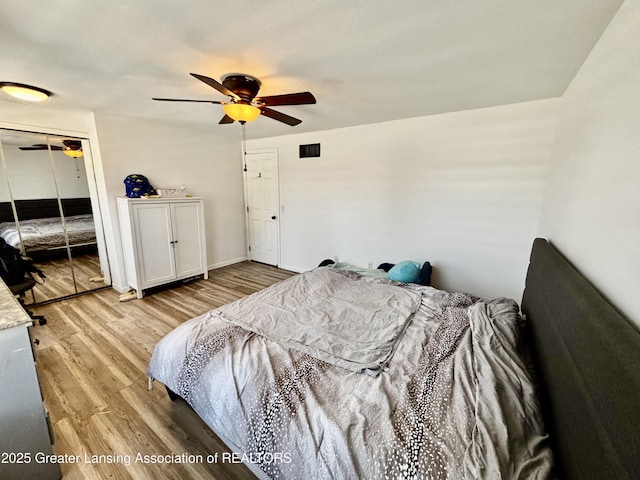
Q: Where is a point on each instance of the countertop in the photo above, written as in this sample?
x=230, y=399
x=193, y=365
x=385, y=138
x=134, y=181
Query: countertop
x=11, y=313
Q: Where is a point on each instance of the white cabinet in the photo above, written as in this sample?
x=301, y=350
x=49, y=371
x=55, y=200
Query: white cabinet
x=163, y=240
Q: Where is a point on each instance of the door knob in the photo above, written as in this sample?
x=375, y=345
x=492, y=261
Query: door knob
x=273, y=217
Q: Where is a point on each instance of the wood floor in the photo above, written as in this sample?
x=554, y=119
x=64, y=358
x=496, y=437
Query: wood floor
x=92, y=357
x=61, y=281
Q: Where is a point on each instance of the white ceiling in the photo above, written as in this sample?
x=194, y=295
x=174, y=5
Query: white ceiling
x=366, y=61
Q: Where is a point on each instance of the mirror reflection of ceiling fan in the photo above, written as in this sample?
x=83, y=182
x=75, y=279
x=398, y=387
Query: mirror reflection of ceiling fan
x=71, y=148
x=243, y=105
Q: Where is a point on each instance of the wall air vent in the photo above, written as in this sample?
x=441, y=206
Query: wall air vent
x=310, y=150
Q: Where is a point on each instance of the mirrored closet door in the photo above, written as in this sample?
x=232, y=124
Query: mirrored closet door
x=48, y=213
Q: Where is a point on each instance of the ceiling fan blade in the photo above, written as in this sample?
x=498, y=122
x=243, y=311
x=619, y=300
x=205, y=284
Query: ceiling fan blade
x=226, y=119
x=40, y=146
x=185, y=100
x=281, y=117
x=37, y=146
x=301, y=98
x=217, y=85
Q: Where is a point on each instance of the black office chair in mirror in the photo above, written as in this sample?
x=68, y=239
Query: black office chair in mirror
x=49, y=211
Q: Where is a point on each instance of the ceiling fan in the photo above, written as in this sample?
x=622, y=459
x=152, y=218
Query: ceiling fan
x=71, y=148
x=243, y=105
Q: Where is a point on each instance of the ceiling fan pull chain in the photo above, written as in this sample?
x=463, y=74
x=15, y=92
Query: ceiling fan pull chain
x=244, y=146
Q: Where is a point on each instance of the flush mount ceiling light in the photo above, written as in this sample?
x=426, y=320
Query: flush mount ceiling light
x=25, y=92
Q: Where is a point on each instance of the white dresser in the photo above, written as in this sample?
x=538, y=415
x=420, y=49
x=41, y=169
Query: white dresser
x=25, y=439
x=163, y=240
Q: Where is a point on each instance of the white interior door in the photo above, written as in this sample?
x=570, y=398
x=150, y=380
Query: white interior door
x=263, y=206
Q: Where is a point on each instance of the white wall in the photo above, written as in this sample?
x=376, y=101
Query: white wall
x=462, y=190
x=592, y=208
x=41, y=117
x=207, y=165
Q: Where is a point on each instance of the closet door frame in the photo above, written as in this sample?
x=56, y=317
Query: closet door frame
x=98, y=196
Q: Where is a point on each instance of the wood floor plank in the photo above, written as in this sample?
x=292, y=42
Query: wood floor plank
x=90, y=366
x=108, y=360
x=92, y=358
x=68, y=441
x=60, y=391
x=59, y=279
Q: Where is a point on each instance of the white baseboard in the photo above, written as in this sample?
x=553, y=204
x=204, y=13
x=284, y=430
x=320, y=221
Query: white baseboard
x=226, y=263
x=125, y=288
x=292, y=269
x=120, y=288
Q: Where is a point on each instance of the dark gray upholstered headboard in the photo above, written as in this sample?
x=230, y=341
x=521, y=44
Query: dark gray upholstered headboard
x=45, y=208
x=587, y=358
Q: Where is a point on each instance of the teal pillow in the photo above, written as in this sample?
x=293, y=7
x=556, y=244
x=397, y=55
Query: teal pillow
x=405, y=272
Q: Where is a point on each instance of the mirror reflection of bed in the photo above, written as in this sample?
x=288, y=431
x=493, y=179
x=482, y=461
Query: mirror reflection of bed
x=46, y=212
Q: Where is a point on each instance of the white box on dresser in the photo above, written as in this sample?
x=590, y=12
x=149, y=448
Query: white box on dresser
x=163, y=240
x=25, y=439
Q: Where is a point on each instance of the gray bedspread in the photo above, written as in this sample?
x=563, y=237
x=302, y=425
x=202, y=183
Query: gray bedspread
x=454, y=400
x=48, y=233
x=336, y=316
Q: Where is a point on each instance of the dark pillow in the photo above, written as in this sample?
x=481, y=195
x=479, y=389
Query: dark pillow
x=425, y=274
x=326, y=262
x=385, y=266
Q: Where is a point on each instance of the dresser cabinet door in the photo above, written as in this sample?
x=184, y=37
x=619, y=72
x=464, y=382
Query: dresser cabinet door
x=188, y=238
x=154, y=243
x=24, y=432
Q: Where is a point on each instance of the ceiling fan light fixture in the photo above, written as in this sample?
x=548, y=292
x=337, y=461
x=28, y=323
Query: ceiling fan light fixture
x=241, y=112
x=243, y=105
x=25, y=92
x=73, y=153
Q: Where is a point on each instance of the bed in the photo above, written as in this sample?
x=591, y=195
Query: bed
x=337, y=374
x=471, y=388
x=41, y=228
